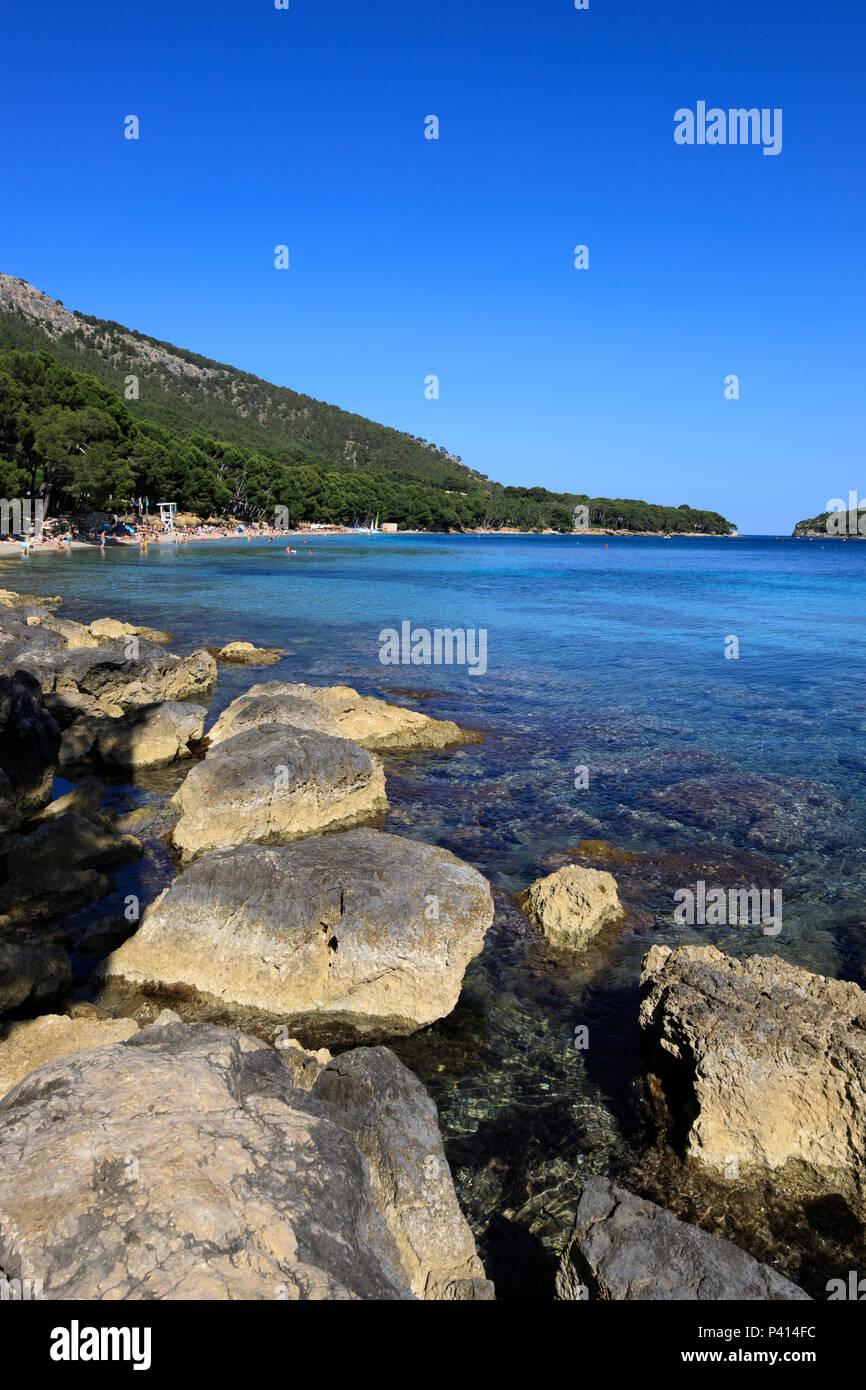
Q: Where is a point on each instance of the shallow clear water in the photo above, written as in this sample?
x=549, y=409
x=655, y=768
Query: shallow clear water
x=609, y=655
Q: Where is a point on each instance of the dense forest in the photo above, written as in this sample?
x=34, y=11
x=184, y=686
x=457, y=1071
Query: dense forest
x=220, y=443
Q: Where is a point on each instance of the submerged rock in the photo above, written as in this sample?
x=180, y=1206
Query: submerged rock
x=625, y=1248
x=572, y=905
x=757, y=1062
x=772, y=812
x=346, y=936
x=273, y=784
x=337, y=710
x=185, y=1163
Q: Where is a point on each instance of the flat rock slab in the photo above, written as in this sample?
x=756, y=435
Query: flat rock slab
x=763, y=1062
x=109, y=629
x=273, y=784
x=185, y=1163
x=10, y=599
x=341, y=937
x=337, y=710
x=625, y=1248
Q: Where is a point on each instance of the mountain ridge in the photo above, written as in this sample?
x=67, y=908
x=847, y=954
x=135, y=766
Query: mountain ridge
x=288, y=413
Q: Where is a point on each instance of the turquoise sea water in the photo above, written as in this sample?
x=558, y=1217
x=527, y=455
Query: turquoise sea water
x=604, y=655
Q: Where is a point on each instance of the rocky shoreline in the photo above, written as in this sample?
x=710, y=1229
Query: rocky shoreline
x=224, y=1117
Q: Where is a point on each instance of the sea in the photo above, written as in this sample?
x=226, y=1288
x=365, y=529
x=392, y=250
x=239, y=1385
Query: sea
x=678, y=711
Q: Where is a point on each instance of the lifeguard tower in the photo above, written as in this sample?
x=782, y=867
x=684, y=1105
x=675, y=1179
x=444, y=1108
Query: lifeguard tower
x=166, y=514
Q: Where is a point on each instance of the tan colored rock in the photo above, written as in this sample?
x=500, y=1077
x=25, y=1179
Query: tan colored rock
x=35, y=1041
x=273, y=784
x=337, y=710
x=76, y=636
x=245, y=654
x=151, y=736
x=573, y=905
x=771, y=1059
x=342, y=937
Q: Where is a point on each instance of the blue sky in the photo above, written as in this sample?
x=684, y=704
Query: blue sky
x=412, y=257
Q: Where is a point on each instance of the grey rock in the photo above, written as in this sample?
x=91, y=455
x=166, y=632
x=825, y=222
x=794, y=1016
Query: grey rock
x=60, y=866
x=29, y=749
x=625, y=1248
x=34, y=969
x=115, y=679
x=274, y=784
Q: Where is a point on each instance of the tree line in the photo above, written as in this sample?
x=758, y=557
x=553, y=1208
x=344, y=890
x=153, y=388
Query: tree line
x=73, y=441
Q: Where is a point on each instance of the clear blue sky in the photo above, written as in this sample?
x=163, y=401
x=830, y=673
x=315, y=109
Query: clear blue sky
x=412, y=257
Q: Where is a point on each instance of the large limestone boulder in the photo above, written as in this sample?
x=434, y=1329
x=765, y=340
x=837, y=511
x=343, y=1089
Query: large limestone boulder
x=340, y=937
x=761, y=1061
x=274, y=784
x=29, y=750
x=150, y=736
x=35, y=1041
x=625, y=1248
x=337, y=710
x=186, y=1163
x=120, y=675
x=573, y=905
